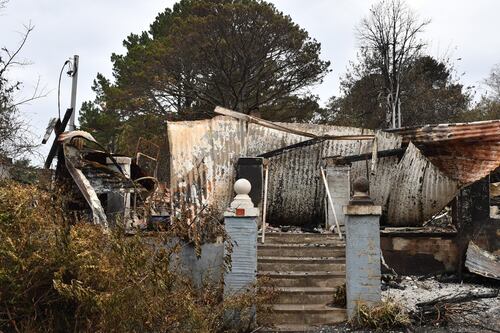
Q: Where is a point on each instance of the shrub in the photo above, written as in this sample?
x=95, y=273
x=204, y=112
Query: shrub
x=57, y=277
x=386, y=315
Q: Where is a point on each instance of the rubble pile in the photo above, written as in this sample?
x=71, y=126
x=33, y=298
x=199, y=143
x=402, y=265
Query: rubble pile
x=461, y=307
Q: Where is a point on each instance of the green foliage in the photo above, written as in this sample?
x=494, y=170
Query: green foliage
x=340, y=297
x=60, y=278
x=488, y=107
x=240, y=54
x=23, y=172
x=429, y=94
x=94, y=117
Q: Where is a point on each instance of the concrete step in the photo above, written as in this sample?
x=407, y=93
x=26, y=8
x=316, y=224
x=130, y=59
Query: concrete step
x=305, y=295
x=306, y=314
x=301, y=264
x=303, y=238
x=305, y=279
x=288, y=328
x=300, y=250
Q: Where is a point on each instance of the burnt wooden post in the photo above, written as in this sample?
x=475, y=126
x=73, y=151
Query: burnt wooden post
x=470, y=212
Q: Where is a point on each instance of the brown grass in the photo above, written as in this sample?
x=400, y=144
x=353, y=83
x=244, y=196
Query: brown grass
x=386, y=315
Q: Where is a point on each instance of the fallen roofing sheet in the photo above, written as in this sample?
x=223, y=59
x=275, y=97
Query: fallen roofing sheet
x=465, y=152
x=482, y=262
x=418, y=190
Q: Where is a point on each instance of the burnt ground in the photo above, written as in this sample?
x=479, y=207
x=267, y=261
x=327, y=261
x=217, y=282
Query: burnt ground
x=480, y=315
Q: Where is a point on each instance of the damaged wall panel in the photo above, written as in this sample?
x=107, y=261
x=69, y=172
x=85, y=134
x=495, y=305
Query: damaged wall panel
x=296, y=192
x=203, y=156
x=419, y=190
x=417, y=255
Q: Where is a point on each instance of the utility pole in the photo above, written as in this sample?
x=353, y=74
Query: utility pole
x=74, y=75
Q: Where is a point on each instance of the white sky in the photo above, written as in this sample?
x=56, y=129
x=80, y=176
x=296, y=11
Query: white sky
x=94, y=29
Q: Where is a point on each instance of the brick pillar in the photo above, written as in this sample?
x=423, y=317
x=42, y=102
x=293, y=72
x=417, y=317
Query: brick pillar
x=240, y=222
x=339, y=185
x=362, y=249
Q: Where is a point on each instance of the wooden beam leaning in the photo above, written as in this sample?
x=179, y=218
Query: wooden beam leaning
x=251, y=119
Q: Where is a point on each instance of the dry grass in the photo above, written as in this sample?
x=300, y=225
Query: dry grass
x=57, y=277
x=386, y=315
x=339, y=298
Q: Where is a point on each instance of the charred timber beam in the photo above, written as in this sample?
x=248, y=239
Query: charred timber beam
x=283, y=150
x=59, y=128
x=367, y=156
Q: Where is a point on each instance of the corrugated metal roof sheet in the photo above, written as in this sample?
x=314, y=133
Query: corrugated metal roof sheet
x=465, y=152
x=418, y=190
x=204, y=153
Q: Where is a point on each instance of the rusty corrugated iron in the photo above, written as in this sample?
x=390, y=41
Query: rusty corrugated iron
x=418, y=191
x=471, y=132
x=465, y=152
x=482, y=262
x=203, y=154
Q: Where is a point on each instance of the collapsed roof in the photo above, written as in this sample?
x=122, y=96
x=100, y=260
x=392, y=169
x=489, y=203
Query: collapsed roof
x=428, y=165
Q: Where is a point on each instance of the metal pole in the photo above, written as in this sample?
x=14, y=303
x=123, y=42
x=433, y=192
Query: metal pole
x=328, y=194
x=71, y=125
x=264, y=205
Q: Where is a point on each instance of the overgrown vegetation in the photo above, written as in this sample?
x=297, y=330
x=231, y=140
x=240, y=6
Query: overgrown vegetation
x=57, y=277
x=386, y=315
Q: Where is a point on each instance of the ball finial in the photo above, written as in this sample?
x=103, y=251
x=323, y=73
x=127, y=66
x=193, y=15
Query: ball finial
x=242, y=186
x=361, y=189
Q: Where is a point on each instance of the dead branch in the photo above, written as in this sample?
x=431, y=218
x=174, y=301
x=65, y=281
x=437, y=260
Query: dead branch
x=460, y=298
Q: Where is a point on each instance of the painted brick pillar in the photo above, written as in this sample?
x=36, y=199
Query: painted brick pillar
x=338, y=177
x=240, y=222
x=362, y=249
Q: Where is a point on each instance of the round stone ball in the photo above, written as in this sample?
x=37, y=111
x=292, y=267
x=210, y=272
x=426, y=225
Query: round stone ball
x=242, y=186
x=361, y=184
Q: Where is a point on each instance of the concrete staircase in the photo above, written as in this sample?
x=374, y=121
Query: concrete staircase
x=306, y=269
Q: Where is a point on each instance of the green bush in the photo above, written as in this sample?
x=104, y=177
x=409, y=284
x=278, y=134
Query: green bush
x=57, y=277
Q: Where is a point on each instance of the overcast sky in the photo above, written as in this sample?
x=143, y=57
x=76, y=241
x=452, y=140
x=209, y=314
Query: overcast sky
x=93, y=29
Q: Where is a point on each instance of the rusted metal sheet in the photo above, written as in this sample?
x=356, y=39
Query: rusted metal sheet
x=482, y=262
x=203, y=156
x=419, y=190
x=385, y=169
x=295, y=191
x=95, y=176
x=474, y=132
x=465, y=152
x=71, y=159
